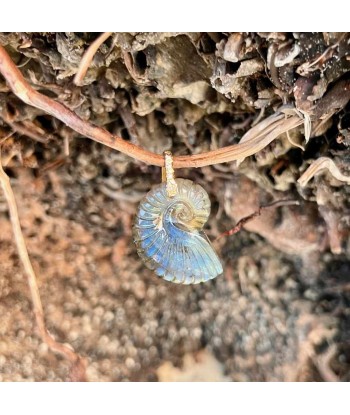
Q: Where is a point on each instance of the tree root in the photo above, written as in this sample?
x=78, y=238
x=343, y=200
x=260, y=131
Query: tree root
x=255, y=140
x=78, y=364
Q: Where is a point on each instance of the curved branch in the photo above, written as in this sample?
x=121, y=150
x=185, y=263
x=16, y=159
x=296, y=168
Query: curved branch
x=78, y=364
x=88, y=56
x=319, y=165
x=259, y=136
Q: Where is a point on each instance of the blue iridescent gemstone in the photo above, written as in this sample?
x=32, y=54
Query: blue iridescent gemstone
x=168, y=233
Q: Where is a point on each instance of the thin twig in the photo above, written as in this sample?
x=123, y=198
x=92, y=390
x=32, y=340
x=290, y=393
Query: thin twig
x=88, y=56
x=52, y=165
x=27, y=128
x=259, y=136
x=323, y=364
x=78, y=368
x=246, y=219
x=321, y=164
x=317, y=63
x=7, y=136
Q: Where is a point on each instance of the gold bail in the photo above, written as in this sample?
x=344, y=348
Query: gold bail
x=168, y=175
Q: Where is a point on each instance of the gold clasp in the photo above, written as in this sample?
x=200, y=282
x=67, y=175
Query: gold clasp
x=168, y=175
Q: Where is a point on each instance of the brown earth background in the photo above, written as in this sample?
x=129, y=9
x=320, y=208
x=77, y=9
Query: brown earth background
x=280, y=311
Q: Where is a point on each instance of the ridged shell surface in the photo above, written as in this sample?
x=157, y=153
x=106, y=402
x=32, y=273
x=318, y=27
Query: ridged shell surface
x=169, y=237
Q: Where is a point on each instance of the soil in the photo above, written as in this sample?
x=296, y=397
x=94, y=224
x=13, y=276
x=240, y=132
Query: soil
x=280, y=311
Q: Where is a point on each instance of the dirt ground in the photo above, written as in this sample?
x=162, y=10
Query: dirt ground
x=280, y=311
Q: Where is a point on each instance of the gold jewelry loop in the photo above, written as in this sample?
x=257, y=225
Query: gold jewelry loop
x=168, y=175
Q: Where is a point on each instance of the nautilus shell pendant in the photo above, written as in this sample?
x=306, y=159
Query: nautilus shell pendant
x=168, y=232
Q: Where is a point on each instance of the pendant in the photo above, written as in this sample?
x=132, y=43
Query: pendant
x=168, y=230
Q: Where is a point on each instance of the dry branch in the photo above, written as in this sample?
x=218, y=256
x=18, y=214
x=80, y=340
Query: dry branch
x=78, y=368
x=259, y=136
x=321, y=164
x=88, y=57
x=239, y=225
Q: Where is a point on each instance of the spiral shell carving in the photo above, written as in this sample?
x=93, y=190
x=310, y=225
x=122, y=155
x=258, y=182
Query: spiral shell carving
x=169, y=237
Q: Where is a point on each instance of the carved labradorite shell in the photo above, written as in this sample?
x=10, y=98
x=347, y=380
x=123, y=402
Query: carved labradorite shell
x=169, y=237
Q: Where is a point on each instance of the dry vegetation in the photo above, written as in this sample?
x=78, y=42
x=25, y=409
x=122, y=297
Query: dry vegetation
x=263, y=116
